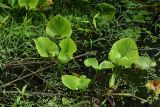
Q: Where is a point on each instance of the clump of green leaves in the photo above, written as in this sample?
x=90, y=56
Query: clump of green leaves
x=92, y=62
x=124, y=52
x=57, y=26
x=28, y=4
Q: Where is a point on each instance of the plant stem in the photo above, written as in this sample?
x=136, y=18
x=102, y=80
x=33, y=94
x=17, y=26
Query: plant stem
x=128, y=95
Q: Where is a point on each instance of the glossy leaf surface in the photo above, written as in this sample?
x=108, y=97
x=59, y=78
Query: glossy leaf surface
x=75, y=83
x=68, y=47
x=46, y=47
x=59, y=26
x=124, y=52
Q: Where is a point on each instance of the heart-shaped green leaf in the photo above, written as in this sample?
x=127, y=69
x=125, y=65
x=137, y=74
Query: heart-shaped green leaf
x=32, y=4
x=91, y=62
x=75, y=83
x=70, y=81
x=46, y=47
x=59, y=26
x=83, y=82
x=145, y=63
x=105, y=14
x=124, y=52
x=106, y=9
x=23, y=3
x=68, y=47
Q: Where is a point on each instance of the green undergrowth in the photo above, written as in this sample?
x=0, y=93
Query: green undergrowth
x=92, y=58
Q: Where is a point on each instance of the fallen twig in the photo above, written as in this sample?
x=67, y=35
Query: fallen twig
x=9, y=83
